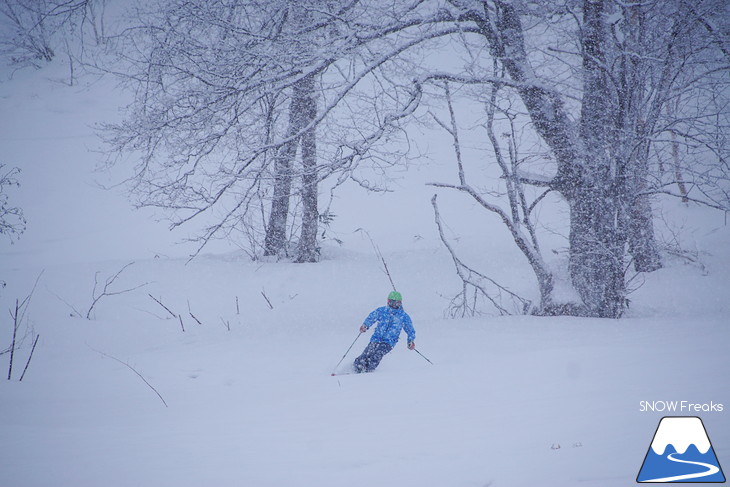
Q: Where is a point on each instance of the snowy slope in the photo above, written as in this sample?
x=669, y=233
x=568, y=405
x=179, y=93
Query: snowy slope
x=254, y=405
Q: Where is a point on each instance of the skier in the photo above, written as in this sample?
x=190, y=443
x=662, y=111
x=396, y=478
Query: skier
x=390, y=321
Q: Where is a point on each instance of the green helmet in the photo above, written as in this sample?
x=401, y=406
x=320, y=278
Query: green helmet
x=395, y=296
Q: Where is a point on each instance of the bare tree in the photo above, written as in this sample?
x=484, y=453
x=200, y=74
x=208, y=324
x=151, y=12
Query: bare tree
x=33, y=32
x=627, y=63
x=223, y=101
x=225, y=94
x=690, y=144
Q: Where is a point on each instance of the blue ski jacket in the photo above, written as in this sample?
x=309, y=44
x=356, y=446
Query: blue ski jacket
x=390, y=323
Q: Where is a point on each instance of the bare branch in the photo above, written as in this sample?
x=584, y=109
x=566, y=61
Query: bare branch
x=263, y=293
x=105, y=292
x=16, y=324
x=380, y=257
x=478, y=281
x=135, y=371
x=190, y=312
x=73, y=308
x=25, y=369
x=160, y=303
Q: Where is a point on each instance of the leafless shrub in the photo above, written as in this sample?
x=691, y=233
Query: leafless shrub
x=21, y=331
x=12, y=222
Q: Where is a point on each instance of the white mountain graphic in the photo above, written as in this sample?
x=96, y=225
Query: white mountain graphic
x=680, y=432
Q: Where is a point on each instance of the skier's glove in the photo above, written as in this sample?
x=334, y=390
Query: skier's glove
x=363, y=328
x=411, y=345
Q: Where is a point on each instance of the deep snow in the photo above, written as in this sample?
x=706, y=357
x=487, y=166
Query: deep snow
x=256, y=405
x=514, y=401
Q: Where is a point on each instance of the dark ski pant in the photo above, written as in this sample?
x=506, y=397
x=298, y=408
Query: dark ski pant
x=371, y=357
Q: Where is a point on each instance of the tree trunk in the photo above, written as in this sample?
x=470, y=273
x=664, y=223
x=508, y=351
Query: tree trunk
x=640, y=232
x=275, y=240
x=596, y=244
x=307, y=250
x=300, y=110
x=596, y=253
x=633, y=145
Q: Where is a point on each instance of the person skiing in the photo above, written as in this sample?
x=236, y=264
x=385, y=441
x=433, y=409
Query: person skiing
x=390, y=319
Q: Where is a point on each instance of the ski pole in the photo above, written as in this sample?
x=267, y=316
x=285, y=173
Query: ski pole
x=348, y=351
x=422, y=355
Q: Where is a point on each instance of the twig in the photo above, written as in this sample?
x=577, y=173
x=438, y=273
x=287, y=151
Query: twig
x=35, y=342
x=387, y=272
x=135, y=371
x=380, y=256
x=21, y=308
x=267, y=299
x=15, y=333
x=227, y=324
x=238, y=311
x=26, y=302
x=191, y=314
x=160, y=303
x=142, y=310
x=73, y=308
x=181, y=323
x=105, y=292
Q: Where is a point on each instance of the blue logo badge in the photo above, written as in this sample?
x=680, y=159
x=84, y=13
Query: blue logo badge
x=681, y=452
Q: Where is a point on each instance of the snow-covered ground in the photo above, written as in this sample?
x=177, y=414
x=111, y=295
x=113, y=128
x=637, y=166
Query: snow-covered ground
x=508, y=401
